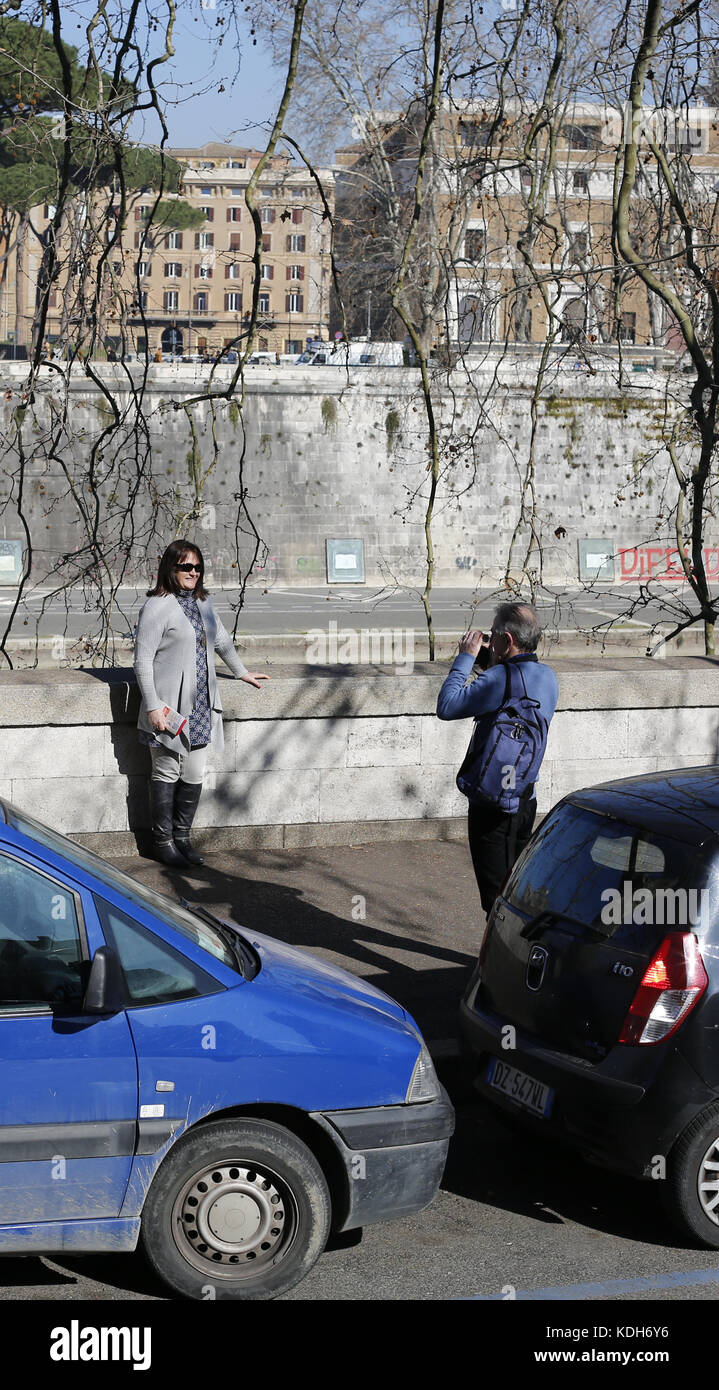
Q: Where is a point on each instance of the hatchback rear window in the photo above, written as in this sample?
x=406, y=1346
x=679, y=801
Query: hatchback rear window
x=615, y=878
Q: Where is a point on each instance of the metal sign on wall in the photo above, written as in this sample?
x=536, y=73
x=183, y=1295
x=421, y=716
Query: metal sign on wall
x=596, y=559
x=10, y=562
x=345, y=562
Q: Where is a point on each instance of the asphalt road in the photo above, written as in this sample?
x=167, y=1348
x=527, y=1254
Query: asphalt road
x=280, y=611
x=515, y=1220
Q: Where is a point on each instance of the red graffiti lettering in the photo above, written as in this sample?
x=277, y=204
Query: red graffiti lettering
x=629, y=559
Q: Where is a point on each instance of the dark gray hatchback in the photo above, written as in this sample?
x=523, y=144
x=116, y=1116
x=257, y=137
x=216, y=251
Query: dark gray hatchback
x=593, y=1012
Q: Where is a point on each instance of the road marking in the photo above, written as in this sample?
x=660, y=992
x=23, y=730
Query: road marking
x=681, y=1278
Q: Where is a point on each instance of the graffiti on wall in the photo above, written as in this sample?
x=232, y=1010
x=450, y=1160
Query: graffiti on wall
x=661, y=562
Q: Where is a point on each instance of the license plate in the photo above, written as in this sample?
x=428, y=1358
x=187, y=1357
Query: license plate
x=523, y=1090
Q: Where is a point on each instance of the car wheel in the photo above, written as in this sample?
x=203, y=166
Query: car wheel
x=692, y=1189
x=238, y=1210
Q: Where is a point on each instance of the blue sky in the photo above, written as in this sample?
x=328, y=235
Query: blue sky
x=195, y=109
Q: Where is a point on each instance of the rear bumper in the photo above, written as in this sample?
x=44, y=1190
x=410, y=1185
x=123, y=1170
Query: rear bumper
x=624, y=1112
x=392, y=1158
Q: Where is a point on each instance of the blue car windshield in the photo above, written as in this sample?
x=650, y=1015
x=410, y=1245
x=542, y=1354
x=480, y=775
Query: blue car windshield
x=199, y=932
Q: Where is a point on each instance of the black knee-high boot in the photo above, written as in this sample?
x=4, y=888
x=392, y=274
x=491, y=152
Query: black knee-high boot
x=187, y=797
x=162, y=802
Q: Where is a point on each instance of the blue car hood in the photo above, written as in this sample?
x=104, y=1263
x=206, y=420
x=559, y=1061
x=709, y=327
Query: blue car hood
x=304, y=974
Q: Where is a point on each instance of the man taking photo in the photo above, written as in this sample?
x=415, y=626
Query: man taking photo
x=512, y=699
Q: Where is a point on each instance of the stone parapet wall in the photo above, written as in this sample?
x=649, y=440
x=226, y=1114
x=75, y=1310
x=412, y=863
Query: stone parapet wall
x=334, y=758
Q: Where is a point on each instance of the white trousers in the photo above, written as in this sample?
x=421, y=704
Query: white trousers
x=169, y=766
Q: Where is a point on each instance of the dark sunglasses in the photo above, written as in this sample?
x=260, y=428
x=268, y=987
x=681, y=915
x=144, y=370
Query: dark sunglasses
x=187, y=569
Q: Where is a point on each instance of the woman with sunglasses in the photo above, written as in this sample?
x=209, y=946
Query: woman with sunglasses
x=178, y=633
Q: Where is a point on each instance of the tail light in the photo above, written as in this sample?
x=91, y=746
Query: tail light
x=673, y=982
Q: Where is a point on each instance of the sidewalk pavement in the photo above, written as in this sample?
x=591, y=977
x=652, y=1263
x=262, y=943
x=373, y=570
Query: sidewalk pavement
x=405, y=916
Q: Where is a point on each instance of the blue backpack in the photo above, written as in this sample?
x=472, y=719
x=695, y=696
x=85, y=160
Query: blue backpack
x=506, y=748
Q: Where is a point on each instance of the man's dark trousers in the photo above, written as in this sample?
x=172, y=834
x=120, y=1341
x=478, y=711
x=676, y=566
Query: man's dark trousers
x=496, y=840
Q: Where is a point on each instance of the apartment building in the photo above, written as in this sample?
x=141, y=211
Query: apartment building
x=191, y=291
x=490, y=203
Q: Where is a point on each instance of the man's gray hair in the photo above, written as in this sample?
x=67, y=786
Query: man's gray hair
x=521, y=622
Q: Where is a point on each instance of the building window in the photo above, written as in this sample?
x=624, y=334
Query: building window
x=293, y=345
x=295, y=272
x=297, y=216
x=203, y=272
x=117, y=267
x=234, y=214
x=266, y=241
x=52, y=299
x=236, y=241
x=204, y=241
x=170, y=299
x=475, y=244
x=267, y=272
x=141, y=212
x=477, y=134
x=263, y=304
x=525, y=180
x=295, y=242
x=173, y=269
x=143, y=269
x=233, y=271
x=476, y=319
x=582, y=137
x=579, y=247
x=233, y=303
x=235, y=163
x=267, y=215
x=200, y=302
x=580, y=181
x=173, y=241
x=627, y=328
x=237, y=192
x=573, y=319
x=294, y=302
x=298, y=192
x=209, y=213
x=207, y=192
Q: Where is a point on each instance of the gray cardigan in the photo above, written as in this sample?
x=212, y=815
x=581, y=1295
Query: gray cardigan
x=165, y=663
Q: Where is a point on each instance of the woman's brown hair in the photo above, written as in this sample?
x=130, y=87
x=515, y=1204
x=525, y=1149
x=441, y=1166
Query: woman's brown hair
x=176, y=554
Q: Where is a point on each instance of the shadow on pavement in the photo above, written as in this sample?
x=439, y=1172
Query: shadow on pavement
x=425, y=976
x=500, y=1165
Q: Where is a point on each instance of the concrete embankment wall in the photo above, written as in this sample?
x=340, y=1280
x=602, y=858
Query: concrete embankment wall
x=328, y=454
x=333, y=758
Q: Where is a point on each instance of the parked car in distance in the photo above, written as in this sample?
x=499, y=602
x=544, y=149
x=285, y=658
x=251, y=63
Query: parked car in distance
x=259, y=359
x=593, y=1012
x=360, y=353
x=212, y=1093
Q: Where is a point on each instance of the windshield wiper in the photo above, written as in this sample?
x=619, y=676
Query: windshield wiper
x=246, y=958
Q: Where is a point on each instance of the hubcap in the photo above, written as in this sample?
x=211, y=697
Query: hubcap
x=708, y=1182
x=232, y=1218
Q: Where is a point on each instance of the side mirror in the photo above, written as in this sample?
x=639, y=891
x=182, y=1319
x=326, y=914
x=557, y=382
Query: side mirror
x=105, y=993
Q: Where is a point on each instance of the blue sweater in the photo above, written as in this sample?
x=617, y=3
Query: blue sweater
x=457, y=700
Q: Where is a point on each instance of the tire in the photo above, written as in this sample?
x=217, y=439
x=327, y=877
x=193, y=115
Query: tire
x=238, y=1210
x=692, y=1189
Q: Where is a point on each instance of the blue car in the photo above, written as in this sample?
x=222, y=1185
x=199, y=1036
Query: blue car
x=213, y=1094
